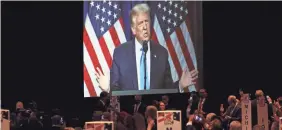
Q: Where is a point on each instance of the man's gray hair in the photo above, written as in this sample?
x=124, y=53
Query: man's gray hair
x=138, y=8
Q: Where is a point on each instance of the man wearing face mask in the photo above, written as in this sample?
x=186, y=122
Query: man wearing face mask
x=233, y=112
x=128, y=66
x=139, y=106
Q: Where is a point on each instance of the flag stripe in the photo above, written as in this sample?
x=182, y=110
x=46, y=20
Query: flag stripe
x=94, y=41
x=179, y=54
x=106, y=52
x=88, y=82
x=188, y=40
x=91, y=70
x=173, y=56
x=184, y=48
x=114, y=35
x=109, y=43
x=86, y=91
x=91, y=50
x=162, y=41
x=119, y=29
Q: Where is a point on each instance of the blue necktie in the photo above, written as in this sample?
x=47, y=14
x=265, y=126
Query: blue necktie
x=142, y=73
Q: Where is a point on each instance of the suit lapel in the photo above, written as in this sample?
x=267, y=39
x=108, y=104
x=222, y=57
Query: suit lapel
x=133, y=65
x=153, y=65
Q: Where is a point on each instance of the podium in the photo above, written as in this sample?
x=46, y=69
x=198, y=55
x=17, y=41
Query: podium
x=5, y=119
x=99, y=125
x=169, y=120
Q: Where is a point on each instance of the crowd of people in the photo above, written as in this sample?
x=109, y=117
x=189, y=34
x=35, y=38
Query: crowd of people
x=142, y=116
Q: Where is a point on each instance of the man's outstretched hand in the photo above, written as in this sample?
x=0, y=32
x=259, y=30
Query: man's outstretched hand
x=103, y=80
x=188, y=78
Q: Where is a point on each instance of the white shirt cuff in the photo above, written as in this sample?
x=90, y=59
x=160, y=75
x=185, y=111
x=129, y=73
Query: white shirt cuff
x=189, y=123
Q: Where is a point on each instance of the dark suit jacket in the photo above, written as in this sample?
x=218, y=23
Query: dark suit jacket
x=141, y=109
x=124, y=74
x=195, y=104
x=190, y=127
x=154, y=127
x=236, y=114
x=255, y=112
x=101, y=107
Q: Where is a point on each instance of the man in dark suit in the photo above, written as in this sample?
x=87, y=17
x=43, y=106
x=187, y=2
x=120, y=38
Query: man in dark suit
x=233, y=112
x=127, y=71
x=259, y=94
x=103, y=103
x=199, y=103
x=139, y=106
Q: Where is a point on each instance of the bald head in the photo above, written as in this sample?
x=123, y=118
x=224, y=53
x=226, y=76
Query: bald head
x=231, y=99
x=235, y=125
x=19, y=105
x=259, y=93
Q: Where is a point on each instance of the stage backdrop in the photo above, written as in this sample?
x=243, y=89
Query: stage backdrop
x=177, y=26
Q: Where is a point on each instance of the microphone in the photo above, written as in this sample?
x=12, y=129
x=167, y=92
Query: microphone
x=145, y=46
x=145, y=49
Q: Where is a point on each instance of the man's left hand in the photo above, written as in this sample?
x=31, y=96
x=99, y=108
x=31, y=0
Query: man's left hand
x=103, y=80
x=188, y=78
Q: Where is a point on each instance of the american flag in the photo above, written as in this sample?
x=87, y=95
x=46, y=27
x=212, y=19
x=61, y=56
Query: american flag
x=107, y=25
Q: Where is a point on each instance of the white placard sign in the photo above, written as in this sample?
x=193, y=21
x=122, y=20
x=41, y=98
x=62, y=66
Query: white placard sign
x=246, y=113
x=262, y=109
x=99, y=125
x=169, y=120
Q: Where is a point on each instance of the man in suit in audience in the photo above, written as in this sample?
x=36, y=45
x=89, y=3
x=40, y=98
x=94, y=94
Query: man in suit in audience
x=233, y=112
x=139, y=106
x=103, y=103
x=199, y=103
x=259, y=95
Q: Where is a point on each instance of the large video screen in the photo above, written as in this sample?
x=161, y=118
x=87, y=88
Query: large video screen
x=135, y=47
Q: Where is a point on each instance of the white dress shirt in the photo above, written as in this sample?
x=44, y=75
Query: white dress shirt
x=138, y=54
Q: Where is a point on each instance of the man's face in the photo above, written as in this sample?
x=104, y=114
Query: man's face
x=19, y=105
x=138, y=98
x=203, y=93
x=141, y=26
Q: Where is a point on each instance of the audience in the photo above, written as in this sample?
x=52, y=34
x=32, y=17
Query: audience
x=143, y=117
